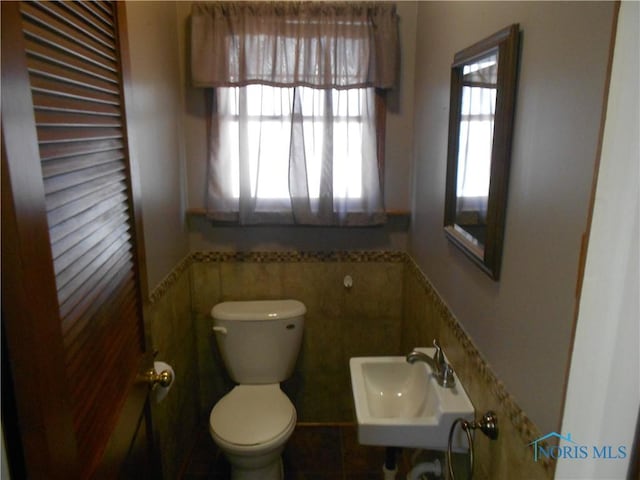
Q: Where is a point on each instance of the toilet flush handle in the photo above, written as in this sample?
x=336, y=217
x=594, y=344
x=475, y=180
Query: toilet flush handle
x=221, y=330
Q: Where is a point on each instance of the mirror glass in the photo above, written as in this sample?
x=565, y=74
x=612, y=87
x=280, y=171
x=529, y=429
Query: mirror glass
x=479, y=87
x=483, y=80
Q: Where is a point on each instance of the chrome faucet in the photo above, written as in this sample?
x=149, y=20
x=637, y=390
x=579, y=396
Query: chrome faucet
x=441, y=369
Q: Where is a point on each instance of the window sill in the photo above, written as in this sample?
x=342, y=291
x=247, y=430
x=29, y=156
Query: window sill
x=396, y=220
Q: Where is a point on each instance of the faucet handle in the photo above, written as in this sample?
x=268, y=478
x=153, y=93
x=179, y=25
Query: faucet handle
x=438, y=356
x=448, y=380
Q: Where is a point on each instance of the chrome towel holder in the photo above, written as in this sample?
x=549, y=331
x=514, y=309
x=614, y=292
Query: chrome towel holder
x=488, y=425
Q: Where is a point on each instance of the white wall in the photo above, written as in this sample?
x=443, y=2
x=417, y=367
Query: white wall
x=603, y=394
x=156, y=141
x=523, y=324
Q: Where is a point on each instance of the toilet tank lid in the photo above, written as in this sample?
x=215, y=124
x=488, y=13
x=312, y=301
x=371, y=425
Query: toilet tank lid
x=258, y=310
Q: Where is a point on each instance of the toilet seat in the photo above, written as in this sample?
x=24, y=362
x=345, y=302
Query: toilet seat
x=252, y=415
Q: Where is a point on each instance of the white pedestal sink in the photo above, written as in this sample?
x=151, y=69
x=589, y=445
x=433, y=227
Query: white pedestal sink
x=401, y=405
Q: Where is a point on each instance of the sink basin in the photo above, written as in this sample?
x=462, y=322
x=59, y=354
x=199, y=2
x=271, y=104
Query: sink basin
x=401, y=405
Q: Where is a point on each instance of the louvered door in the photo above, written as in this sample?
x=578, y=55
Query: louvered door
x=70, y=53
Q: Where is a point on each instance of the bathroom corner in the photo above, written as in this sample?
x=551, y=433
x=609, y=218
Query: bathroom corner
x=390, y=308
x=428, y=276
x=173, y=337
x=427, y=316
x=341, y=322
x=519, y=346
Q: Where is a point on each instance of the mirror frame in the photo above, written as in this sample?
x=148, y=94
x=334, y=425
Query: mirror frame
x=506, y=43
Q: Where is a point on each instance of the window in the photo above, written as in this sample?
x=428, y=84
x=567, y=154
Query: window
x=269, y=111
x=296, y=149
x=476, y=128
x=476, y=139
x=296, y=122
x=477, y=113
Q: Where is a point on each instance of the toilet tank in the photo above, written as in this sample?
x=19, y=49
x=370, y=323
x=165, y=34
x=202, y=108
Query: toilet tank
x=259, y=340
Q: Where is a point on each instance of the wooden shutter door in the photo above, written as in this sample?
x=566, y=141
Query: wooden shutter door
x=72, y=305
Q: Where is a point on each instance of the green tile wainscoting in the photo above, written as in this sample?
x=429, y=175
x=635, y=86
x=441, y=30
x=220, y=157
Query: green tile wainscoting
x=340, y=323
x=173, y=336
x=391, y=308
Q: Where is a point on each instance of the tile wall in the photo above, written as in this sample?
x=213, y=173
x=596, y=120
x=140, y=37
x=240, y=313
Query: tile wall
x=340, y=322
x=390, y=309
x=426, y=316
x=177, y=417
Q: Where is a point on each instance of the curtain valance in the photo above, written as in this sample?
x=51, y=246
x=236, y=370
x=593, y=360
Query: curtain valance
x=286, y=44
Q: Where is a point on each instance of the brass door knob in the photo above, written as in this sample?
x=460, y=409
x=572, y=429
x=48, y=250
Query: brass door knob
x=153, y=378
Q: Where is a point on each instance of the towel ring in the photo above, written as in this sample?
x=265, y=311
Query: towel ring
x=488, y=425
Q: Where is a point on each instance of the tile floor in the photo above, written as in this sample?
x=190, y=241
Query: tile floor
x=314, y=452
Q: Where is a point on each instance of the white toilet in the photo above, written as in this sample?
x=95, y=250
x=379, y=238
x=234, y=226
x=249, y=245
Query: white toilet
x=259, y=342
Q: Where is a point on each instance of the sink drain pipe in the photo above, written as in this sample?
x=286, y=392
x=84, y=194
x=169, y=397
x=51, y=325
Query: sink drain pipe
x=390, y=468
x=434, y=468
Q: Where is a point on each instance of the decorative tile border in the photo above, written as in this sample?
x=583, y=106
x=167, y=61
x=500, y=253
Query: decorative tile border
x=171, y=278
x=296, y=256
x=521, y=422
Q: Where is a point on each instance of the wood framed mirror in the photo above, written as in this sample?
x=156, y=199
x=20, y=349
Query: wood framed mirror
x=483, y=91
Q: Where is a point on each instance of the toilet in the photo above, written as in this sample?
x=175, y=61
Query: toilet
x=259, y=342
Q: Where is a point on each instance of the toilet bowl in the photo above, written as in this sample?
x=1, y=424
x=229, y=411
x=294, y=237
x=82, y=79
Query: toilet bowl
x=259, y=342
x=251, y=425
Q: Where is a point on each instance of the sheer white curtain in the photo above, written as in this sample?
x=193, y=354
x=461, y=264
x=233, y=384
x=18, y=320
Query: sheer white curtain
x=476, y=136
x=293, y=117
x=319, y=44
x=294, y=155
